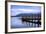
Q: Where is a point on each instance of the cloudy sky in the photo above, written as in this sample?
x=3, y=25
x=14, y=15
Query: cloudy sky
x=17, y=9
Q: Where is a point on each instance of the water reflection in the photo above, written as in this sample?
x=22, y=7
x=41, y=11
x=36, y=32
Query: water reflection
x=19, y=22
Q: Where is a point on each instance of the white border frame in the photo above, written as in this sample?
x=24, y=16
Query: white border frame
x=24, y=29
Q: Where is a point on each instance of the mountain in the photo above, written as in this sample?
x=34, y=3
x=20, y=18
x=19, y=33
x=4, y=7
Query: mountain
x=27, y=14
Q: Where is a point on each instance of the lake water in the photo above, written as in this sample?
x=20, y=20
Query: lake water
x=16, y=22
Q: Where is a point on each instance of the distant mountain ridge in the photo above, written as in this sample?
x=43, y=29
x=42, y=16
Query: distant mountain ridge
x=27, y=14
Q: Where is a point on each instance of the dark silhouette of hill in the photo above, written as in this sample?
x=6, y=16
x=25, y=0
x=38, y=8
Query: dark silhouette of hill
x=27, y=14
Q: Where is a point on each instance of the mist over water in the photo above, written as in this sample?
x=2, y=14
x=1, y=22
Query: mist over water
x=16, y=22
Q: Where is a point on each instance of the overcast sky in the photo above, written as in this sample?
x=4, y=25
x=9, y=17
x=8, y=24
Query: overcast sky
x=17, y=9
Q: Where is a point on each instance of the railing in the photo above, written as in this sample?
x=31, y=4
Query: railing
x=35, y=20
